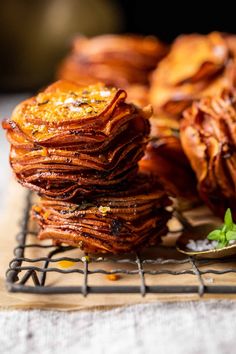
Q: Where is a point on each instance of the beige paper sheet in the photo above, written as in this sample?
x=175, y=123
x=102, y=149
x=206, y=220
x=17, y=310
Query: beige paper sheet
x=9, y=221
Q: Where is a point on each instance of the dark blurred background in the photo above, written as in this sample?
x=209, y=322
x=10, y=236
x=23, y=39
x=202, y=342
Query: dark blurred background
x=36, y=34
x=167, y=19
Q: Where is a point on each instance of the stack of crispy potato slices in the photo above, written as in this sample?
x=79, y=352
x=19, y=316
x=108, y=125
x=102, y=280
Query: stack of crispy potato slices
x=165, y=158
x=196, y=66
x=69, y=141
x=208, y=133
x=79, y=148
x=118, y=60
x=119, y=222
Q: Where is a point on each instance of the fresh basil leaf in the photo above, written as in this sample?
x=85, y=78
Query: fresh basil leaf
x=231, y=235
x=228, y=219
x=214, y=235
x=222, y=244
x=234, y=227
x=222, y=237
x=224, y=228
x=226, y=233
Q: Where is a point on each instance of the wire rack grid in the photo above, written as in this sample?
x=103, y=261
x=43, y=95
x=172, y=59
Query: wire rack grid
x=29, y=274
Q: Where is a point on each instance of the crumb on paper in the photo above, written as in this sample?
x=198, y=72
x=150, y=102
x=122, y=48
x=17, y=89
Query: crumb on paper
x=174, y=225
x=208, y=280
x=100, y=259
x=66, y=264
x=113, y=277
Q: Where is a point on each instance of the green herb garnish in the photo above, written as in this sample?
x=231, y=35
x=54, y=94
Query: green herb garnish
x=226, y=233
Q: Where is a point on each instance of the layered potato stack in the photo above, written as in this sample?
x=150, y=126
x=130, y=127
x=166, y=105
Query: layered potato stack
x=117, y=60
x=165, y=158
x=117, y=221
x=127, y=61
x=196, y=66
x=208, y=136
x=79, y=148
x=199, y=71
x=69, y=141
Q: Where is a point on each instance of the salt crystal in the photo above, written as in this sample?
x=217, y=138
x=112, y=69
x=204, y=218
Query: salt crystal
x=70, y=100
x=75, y=109
x=232, y=242
x=219, y=51
x=208, y=280
x=201, y=245
x=105, y=93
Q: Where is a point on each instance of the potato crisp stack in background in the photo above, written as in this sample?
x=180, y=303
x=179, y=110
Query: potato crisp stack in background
x=208, y=133
x=165, y=158
x=196, y=66
x=79, y=148
x=118, y=60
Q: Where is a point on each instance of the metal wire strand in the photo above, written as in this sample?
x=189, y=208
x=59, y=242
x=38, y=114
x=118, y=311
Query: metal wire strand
x=22, y=269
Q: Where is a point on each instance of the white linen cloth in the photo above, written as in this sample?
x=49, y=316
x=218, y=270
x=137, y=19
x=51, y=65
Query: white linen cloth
x=187, y=327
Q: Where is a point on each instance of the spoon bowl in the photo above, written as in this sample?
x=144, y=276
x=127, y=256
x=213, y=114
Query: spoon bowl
x=200, y=233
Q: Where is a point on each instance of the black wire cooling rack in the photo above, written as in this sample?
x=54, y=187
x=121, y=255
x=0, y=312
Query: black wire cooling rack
x=37, y=268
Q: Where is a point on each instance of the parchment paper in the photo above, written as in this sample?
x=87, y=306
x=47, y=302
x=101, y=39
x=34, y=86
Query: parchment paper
x=9, y=226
